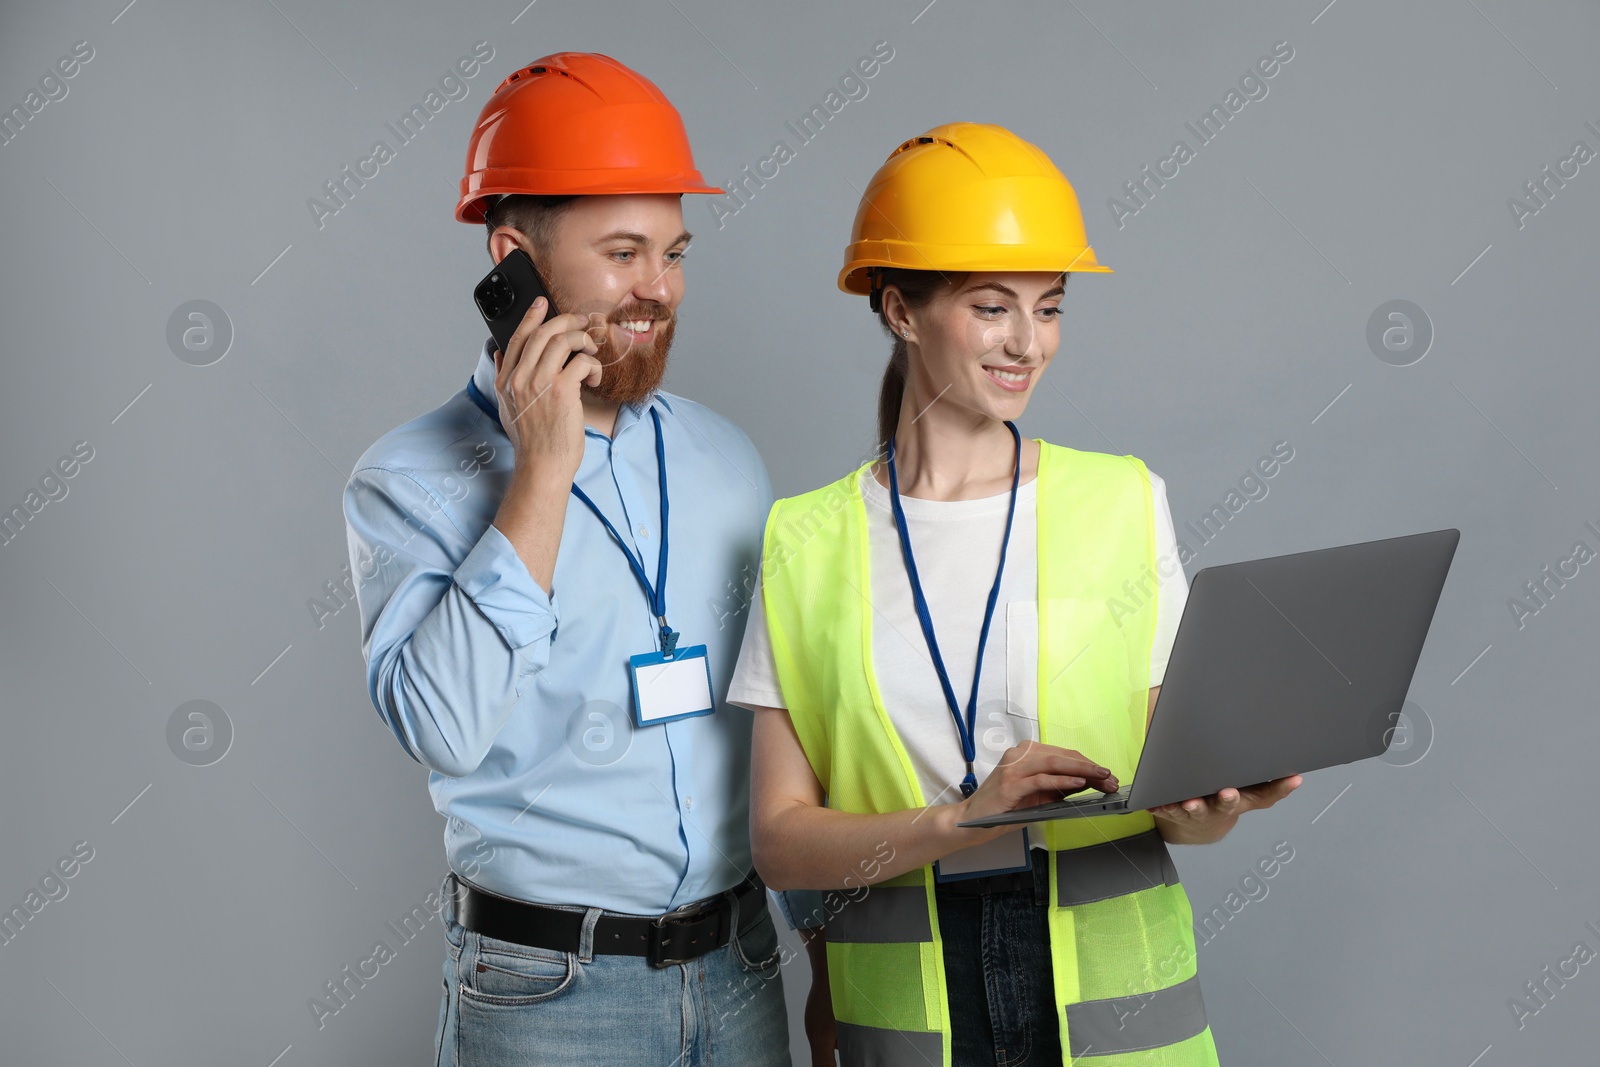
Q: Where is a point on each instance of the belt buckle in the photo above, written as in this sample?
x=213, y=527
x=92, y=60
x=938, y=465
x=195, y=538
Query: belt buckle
x=662, y=934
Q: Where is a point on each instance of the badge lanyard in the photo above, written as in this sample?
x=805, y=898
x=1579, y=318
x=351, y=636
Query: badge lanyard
x=657, y=594
x=966, y=726
x=673, y=683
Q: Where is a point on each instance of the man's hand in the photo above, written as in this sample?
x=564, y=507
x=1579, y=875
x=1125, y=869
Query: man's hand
x=1201, y=820
x=541, y=407
x=541, y=410
x=820, y=1033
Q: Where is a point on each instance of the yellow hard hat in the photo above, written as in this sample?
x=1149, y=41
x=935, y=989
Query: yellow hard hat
x=967, y=196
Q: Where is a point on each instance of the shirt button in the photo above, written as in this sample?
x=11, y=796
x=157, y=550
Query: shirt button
x=644, y=531
x=688, y=803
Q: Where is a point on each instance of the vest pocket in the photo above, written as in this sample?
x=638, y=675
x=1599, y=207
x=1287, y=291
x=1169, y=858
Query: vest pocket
x=1093, y=698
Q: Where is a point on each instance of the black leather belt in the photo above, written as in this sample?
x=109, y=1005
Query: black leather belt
x=676, y=937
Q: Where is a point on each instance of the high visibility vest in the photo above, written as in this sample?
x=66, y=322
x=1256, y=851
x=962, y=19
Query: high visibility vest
x=1121, y=939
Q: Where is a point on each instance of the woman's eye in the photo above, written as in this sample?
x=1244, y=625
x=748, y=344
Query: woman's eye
x=989, y=309
x=1054, y=313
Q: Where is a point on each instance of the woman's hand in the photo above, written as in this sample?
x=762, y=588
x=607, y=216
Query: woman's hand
x=1028, y=774
x=1201, y=820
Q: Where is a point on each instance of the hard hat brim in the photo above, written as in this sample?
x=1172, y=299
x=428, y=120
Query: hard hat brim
x=956, y=259
x=474, y=201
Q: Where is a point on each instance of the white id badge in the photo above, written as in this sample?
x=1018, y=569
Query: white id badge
x=667, y=689
x=1003, y=855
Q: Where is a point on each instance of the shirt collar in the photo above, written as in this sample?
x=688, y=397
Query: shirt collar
x=483, y=377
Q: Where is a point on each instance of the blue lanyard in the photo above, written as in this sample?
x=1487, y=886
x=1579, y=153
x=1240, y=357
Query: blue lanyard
x=657, y=594
x=966, y=727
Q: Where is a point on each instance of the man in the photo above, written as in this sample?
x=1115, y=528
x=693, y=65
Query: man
x=535, y=638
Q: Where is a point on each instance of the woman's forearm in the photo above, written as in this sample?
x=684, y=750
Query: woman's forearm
x=805, y=846
x=798, y=842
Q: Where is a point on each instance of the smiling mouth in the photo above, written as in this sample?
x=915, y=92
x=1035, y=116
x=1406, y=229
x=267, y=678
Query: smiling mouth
x=634, y=330
x=637, y=328
x=1011, y=380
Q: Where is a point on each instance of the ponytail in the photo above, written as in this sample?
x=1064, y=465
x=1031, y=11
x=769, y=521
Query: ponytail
x=891, y=393
x=917, y=289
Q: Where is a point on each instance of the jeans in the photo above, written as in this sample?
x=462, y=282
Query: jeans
x=506, y=1004
x=1003, y=1009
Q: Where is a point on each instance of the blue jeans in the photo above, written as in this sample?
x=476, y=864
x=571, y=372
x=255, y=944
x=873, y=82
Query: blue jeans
x=506, y=1004
x=997, y=971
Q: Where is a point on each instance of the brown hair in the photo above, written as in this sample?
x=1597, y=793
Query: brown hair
x=535, y=216
x=917, y=288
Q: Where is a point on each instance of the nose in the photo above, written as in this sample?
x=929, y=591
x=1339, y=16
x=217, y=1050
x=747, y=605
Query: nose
x=656, y=283
x=1022, y=340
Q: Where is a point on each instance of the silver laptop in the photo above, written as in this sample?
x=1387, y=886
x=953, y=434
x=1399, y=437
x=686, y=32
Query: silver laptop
x=1280, y=666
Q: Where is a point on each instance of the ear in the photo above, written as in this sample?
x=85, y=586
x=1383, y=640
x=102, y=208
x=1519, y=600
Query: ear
x=897, y=314
x=505, y=240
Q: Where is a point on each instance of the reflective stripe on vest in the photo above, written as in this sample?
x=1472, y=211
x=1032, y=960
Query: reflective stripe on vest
x=884, y=913
x=872, y=1046
x=1126, y=865
x=1138, y=1021
x=887, y=913
x=1119, y=919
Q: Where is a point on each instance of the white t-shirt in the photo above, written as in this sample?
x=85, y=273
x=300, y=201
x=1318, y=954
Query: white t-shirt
x=957, y=547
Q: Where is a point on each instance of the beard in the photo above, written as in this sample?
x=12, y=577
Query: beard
x=631, y=371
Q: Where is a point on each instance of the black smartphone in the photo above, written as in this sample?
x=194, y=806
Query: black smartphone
x=506, y=293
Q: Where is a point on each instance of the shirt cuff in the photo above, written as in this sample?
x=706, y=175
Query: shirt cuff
x=496, y=580
x=801, y=908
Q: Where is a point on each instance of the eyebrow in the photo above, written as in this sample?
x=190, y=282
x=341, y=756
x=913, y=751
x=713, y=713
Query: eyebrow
x=640, y=239
x=1006, y=290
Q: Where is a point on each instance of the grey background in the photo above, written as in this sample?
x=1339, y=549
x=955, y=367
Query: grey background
x=219, y=899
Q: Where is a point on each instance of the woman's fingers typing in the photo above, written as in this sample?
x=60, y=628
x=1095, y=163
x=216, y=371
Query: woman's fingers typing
x=1032, y=773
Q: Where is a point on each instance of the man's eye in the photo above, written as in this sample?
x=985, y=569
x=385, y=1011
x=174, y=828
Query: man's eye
x=624, y=255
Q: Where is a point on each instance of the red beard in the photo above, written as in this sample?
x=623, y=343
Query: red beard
x=630, y=372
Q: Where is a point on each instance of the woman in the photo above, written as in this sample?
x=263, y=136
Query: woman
x=973, y=624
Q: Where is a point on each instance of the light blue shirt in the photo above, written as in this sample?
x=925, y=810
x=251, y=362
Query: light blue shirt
x=519, y=703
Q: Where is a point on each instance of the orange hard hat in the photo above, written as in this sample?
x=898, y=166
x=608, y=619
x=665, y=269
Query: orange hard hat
x=576, y=124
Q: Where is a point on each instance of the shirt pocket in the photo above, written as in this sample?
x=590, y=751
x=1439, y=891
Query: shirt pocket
x=1022, y=668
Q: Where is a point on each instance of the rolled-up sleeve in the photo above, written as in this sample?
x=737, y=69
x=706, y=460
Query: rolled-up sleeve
x=498, y=582
x=452, y=630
